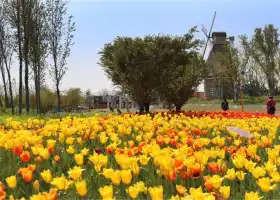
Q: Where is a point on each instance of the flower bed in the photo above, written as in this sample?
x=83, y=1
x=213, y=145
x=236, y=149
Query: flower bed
x=190, y=155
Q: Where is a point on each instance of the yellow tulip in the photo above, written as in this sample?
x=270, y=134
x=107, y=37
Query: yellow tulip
x=46, y=175
x=61, y=183
x=238, y=161
x=81, y=188
x=252, y=196
x=225, y=191
x=216, y=181
x=116, y=177
x=156, y=193
x=126, y=176
x=85, y=151
x=44, y=153
x=70, y=149
x=231, y=174
x=258, y=172
x=275, y=176
x=36, y=185
x=70, y=140
x=94, y=158
x=181, y=189
x=240, y=175
x=11, y=197
x=51, y=143
x=75, y=173
x=79, y=159
x=196, y=193
x=103, y=139
x=106, y=192
x=265, y=185
x=144, y=160
x=11, y=181
x=133, y=192
x=141, y=186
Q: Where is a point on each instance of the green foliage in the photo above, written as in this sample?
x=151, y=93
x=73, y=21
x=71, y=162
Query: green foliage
x=154, y=65
x=183, y=81
x=72, y=98
x=48, y=100
x=266, y=54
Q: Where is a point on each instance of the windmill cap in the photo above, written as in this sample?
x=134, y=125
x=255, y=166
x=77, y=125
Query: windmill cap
x=219, y=34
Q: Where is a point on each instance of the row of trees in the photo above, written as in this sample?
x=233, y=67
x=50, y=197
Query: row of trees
x=70, y=99
x=36, y=35
x=155, y=67
x=169, y=68
x=258, y=58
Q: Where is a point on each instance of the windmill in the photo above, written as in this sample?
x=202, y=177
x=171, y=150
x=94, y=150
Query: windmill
x=208, y=35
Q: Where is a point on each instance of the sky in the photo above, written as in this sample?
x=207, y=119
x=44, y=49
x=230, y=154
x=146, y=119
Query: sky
x=100, y=21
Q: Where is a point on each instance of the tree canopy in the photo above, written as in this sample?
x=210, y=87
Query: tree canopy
x=154, y=66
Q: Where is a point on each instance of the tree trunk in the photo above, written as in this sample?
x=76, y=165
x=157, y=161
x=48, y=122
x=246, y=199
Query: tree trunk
x=27, y=103
x=147, y=107
x=58, y=98
x=20, y=59
x=25, y=20
x=11, y=92
x=38, y=89
x=36, y=84
x=178, y=107
x=142, y=109
x=7, y=105
x=1, y=104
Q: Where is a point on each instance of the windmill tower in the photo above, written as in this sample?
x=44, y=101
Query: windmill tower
x=216, y=87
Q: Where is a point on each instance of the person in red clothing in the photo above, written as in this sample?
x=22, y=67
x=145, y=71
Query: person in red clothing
x=270, y=106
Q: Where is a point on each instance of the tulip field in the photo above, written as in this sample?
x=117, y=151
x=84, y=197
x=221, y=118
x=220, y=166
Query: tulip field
x=190, y=155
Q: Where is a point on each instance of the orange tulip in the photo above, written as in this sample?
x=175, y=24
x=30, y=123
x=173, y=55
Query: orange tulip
x=196, y=171
x=51, y=150
x=17, y=150
x=207, y=183
x=2, y=191
x=25, y=156
x=171, y=175
x=213, y=167
x=27, y=176
x=178, y=165
x=183, y=175
x=173, y=143
x=38, y=159
x=56, y=158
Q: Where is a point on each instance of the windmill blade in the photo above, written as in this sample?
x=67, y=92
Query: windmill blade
x=204, y=30
x=213, y=21
x=205, y=47
x=209, y=34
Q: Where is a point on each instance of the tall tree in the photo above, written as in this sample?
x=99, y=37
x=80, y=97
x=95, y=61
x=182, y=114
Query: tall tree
x=254, y=76
x=3, y=53
x=60, y=40
x=183, y=81
x=14, y=11
x=142, y=67
x=127, y=62
x=27, y=7
x=38, y=49
x=3, y=73
x=6, y=52
x=266, y=54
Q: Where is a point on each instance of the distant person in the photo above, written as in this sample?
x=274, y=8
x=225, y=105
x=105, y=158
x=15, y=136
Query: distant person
x=224, y=105
x=270, y=106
